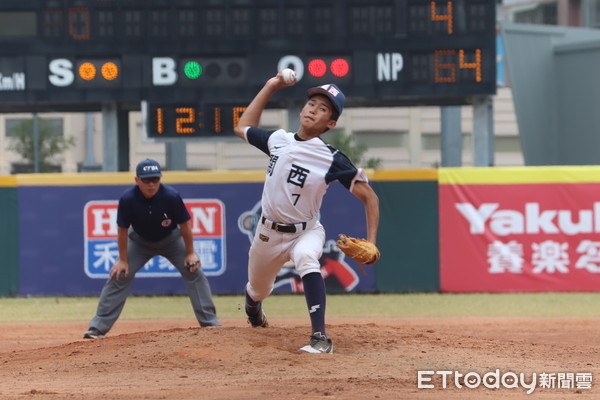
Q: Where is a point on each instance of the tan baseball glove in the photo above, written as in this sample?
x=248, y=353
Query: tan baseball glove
x=360, y=250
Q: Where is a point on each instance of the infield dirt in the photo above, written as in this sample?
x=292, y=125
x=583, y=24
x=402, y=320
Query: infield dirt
x=373, y=359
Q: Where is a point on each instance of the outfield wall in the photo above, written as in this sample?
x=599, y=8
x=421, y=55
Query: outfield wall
x=9, y=230
x=522, y=229
x=408, y=231
x=63, y=233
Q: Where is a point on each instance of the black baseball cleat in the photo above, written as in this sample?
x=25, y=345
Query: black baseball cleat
x=257, y=320
x=319, y=343
x=93, y=333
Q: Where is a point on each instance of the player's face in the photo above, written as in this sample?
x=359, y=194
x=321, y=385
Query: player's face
x=148, y=186
x=316, y=114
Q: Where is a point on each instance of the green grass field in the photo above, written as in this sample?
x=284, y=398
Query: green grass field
x=64, y=309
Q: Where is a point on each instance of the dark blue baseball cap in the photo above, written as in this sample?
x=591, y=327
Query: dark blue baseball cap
x=333, y=93
x=148, y=169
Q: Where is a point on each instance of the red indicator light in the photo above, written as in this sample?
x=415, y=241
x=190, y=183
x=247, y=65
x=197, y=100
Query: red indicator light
x=340, y=67
x=317, y=68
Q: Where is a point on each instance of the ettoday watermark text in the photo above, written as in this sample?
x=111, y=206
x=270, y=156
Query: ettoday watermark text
x=497, y=379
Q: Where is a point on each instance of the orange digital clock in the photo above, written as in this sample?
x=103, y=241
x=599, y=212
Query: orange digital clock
x=192, y=120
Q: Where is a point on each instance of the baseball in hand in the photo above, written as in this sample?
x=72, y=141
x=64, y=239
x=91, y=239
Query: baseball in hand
x=288, y=75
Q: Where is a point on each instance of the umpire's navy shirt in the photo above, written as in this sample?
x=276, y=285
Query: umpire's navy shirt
x=154, y=218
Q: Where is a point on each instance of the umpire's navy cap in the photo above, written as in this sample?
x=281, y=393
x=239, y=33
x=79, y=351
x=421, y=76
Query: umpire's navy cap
x=333, y=93
x=148, y=169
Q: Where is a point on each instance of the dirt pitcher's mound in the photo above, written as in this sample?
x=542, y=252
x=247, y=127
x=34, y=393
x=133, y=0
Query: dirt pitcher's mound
x=371, y=360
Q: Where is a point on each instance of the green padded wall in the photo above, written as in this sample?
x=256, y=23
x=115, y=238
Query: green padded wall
x=9, y=236
x=408, y=236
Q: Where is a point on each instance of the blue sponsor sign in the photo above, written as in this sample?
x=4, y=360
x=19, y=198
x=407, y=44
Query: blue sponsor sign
x=101, y=249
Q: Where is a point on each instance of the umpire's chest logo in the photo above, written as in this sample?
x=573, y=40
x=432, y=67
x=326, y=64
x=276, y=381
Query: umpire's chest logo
x=262, y=237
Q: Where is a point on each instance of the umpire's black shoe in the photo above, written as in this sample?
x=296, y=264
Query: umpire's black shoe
x=258, y=319
x=93, y=333
x=319, y=343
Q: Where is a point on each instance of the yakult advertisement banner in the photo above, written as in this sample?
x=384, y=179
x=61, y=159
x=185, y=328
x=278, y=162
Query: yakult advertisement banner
x=525, y=229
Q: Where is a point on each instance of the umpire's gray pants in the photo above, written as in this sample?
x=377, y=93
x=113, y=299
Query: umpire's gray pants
x=140, y=251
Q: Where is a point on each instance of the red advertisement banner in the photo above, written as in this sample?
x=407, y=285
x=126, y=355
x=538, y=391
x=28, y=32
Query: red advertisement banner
x=519, y=237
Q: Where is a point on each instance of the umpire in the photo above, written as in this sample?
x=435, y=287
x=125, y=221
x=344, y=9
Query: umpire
x=152, y=220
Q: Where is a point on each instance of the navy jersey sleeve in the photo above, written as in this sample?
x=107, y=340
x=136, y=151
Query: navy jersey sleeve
x=124, y=213
x=181, y=213
x=259, y=138
x=341, y=169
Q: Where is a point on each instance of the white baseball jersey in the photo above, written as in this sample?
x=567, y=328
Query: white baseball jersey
x=299, y=173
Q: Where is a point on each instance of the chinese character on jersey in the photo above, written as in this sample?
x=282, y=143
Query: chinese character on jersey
x=271, y=165
x=505, y=257
x=297, y=175
x=550, y=256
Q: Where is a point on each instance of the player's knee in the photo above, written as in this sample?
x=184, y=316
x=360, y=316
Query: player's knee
x=307, y=263
x=307, y=269
x=122, y=281
x=193, y=277
x=258, y=291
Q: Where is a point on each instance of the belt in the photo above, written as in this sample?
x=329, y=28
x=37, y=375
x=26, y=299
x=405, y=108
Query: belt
x=285, y=228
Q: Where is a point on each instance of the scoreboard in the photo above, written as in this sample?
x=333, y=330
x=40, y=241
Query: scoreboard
x=197, y=62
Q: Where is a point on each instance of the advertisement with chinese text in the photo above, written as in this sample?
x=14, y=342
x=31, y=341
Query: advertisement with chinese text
x=525, y=230
x=72, y=241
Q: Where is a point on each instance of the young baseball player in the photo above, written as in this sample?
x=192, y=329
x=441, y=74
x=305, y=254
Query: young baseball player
x=300, y=169
x=152, y=220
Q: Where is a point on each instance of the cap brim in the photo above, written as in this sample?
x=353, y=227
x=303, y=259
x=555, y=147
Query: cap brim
x=318, y=90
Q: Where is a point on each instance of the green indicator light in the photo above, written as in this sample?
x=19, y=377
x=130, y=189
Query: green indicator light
x=192, y=70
